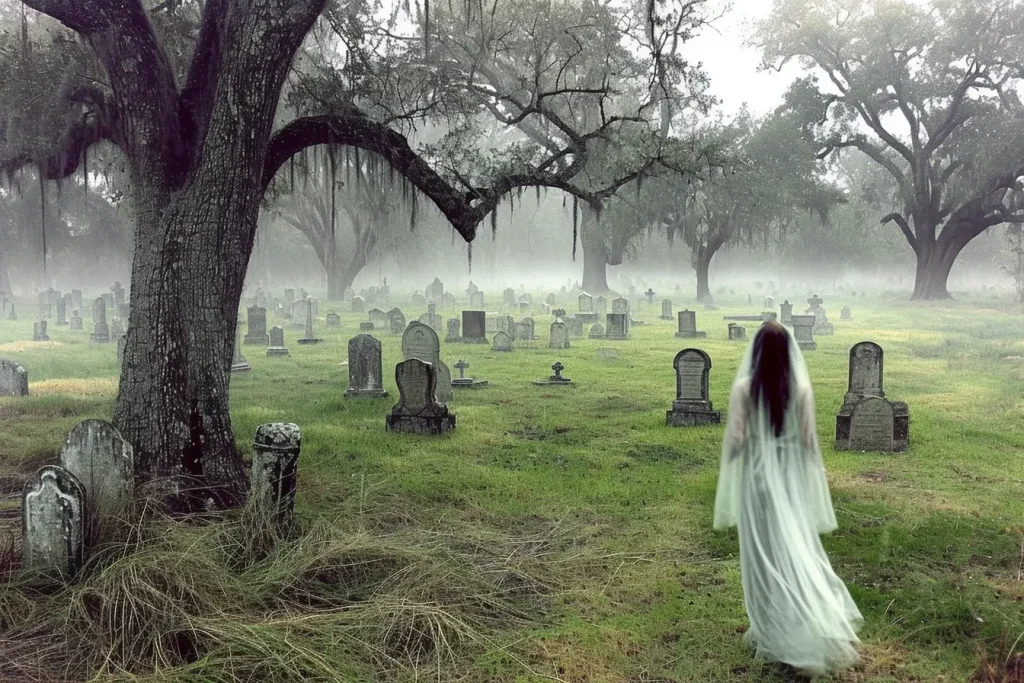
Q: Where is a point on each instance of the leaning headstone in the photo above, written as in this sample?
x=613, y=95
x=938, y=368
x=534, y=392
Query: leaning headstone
x=53, y=523
x=803, y=326
x=104, y=463
x=737, y=332
x=39, y=331
x=333, y=319
x=687, y=326
x=476, y=300
x=365, y=374
x=277, y=347
x=508, y=297
x=844, y=313
x=13, y=379
x=256, y=323
x=559, y=336
x=666, y=309
x=454, y=326
x=474, y=327
x=502, y=341
x=418, y=411
x=692, y=405
x=786, y=312
x=617, y=326
x=272, y=478
x=597, y=331
x=556, y=379
x=868, y=421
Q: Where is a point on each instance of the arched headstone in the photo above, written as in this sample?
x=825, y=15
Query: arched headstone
x=53, y=523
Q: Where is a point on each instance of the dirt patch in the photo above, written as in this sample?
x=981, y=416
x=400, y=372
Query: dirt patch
x=875, y=477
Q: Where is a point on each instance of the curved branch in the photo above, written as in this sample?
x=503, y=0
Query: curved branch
x=904, y=227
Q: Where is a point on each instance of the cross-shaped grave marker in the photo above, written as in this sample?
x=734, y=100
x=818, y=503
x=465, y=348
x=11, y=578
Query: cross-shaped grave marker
x=461, y=367
x=558, y=367
x=650, y=295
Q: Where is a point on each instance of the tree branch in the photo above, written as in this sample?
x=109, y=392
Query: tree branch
x=904, y=227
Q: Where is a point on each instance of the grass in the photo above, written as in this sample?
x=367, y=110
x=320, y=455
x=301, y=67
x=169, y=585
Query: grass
x=558, y=534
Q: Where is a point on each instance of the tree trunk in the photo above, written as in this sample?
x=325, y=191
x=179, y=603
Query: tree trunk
x=5, y=275
x=595, y=256
x=933, y=268
x=701, y=258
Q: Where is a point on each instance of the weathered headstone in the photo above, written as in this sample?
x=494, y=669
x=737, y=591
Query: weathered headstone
x=238, y=361
x=502, y=341
x=277, y=347
x=365, y=373
x=586, y=303
x=620, y=305
x=525, y=330
x=786, y=312
x=256, y=324
x=333, y=319
x=822, y=326
x=104, y=464
x=308, y=339
x=650, y=296
x=803, y=326
x=559, y=336
x=62, y=312
x=434, y=291
x=454, y=326
x=76, y=322
x=108, y=300
x=396, y=321
x=737, y=332
x=418, y=411
x=39, y=331
x=420, y=341
x=506, y=324
x=617, y=326
x=597, y=331
x=357, y=304
x=101, y=331
x=692, y=405
x=476, y=300
x=844, y=313
x=272, y=478
x=687, y=326
x=377, y=317
x=118, y=292
x=508, y=297
x=575, y=325
x=474, y=327
x=76, y=300
x=431, y=318
x=556, y=379
x=289, y=294
x=666, y=309
x=600, y=305
x=53, y=523
x=868, y=421
x=447, y=301
x=13, y=379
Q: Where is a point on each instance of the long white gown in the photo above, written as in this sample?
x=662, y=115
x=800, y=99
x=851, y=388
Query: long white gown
x=774, y=489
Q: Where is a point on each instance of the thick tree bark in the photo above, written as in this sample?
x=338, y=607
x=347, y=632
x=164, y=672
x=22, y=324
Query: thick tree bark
x=933, y=268
x=5, y=275
x=700, y=256
x=595, y=256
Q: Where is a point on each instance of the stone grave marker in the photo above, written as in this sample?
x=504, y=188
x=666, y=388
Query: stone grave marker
x=506, y=324
x=597, y=331
x=277, y=347
x=508, y=297
x=844, y=313
x=272, y=478
x=53, y=523
x=76, y=300
x=687, y=326
x=575, y=325
x=238, y=361
x=366, y=326
x=123, y=310
x=453, y=332
x=551, y=300
x=357, y=304
x=868, y=421
x=76, y=322
x=502, y=341
x=447, y=301
x=62, y=312
x=769, y=302
x=556, y=379
x=650, y=296
x=786, y=312
x=289, y=294
x=396, y=321
x=474, y=327
x=466, y=382
x=431, y=318
x=13, y=379
x=118, y=292
x=525, y=330
x=420, y=341
x=256, y=324
x=116, y=329
x=377, y=317
x=559, y=336
x=108, y=300
x=558, y=312
x=617, y=326
x=620, y=306
x=365, y=369
x=666, y=309
x=101, y=331
x=803, y=332
x=39, y=331
x=737, y=332
x=586, y=303
x=692, y=405
x=308, y=339
x=104, y=464
x=418, y=411
x=333, y=319
x=476, y=300
x=434, y=291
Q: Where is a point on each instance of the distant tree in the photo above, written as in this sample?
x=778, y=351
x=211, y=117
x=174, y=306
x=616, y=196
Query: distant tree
x=930, y=94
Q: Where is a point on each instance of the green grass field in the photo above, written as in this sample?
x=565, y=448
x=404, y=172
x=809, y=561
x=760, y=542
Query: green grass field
x=558, y=533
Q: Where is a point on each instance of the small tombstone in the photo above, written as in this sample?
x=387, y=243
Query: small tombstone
x=617, y=326
x=256, y=326
x=418, y=300
x=277, y=347
x=666, y=309
x=597, y=331
x=575, y=325
x=476, y=300
x=365, y=374
x=506, y=324
x=396, y=321
x=76, y=322
x=53, y=523
x=586, y=303
x=692, y=405
x=39, y=331
x=454, y=326
x=346, y=296
x=289, y=294
x=737, y=332
x=377, y=317
x=502, y=341
x=62, y=312
x=474, y=327
x=466, y=382
x=366, y=327
x=803, y=326
x=551, y=300
x=650, y=296
x=358, y=304
x=334, y=320
x=431, y=318
x=844, y=313
x=76, y=300
x=786, y=312
x=13, y=379
x=420, y=341
x=116, y=329
x=687, y=325
x=559, y=336
x=620, y=306
x=556, y=379
x=308, y=339
x=104, y=464
x=868, y=421
x=418, y=411
x=238, y=361
x=525, y=330
x=435, y=290
x=508, y=297
x=822, y=326
x=600, y=305
x=275, y=460
x=447, y=301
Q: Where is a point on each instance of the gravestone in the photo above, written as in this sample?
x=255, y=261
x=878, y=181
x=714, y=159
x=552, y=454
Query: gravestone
x=357, y=304
x=256, y=324
x=506, y=324
x=454, y=327
x=556, y=379
x=238, y=361
x=76, y=322
x=418, y=411
x=551, y=300
x=101, y=331
x=692, y=405
x=600, y=305
x=39, y=331
x=272, y=478
x=476, y=300
x=471, y=288
x=650, y=296
x=822, y=326
x=431, y=318
x=108, y=300
x=434, y=291
x=617, y=326
x=103, y=463
x=396, y=321
x=365, y=373
x=62, y=312
x=786, y=312
x=620, y=306
x=298, y=313
x=687, y=326
x=308, y=339
x=844, y=313
x=559, y=336
x=118, y=292
x=666, y=309
x=420, y=341
x=418, y=300
x=289, y=294
x=737, y=332
x=116, y=329
x=868, y=421
x=377, y=317
x=366, y=327
x=334, y=320
x=525, y=330
x=447, y=301
x=466, y=382
x=302, y=293
x=586, y=303
x=44, y=306
x=53, y=523
x=558, y=312
x=597, y=331
x=769, y=302
x=508, y=297
x=803, y=326
x=277, y=347
x=502, y=341
x=13, y=379
x=814, y=303
x=11, y=315
x=474, y=327
x=76, y=300
x=575, y=325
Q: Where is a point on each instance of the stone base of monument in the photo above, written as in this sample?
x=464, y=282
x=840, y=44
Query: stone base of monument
x=252, y=341
x=691, y=414
x=874, y=425
x=474, y=340
x=309, y=341
x=468, y=383
x=277, y=351
x=552, y=381
x=365, y=393
x=419, y=424
x=699, y=334
x=668, y=317
x=242, y=366
x=807, y=345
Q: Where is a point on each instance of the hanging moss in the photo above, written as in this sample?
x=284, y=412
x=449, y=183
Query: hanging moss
x=42, y=210
x=334, y=182
x=412, y=213
x=494, y=224
x=469, y=256
x=575, y=224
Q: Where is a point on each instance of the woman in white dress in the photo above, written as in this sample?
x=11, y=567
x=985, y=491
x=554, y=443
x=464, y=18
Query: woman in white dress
x=772, y=486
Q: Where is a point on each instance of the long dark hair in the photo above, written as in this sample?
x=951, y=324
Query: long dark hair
x=769, y=381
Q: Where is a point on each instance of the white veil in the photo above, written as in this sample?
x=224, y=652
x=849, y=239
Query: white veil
x=750, y=437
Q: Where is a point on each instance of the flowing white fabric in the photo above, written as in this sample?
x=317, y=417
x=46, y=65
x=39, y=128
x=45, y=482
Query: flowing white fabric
x=774, y=489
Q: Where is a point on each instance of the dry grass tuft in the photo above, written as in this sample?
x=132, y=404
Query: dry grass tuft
x=23, y=346
x=93, y=386
x=1001, y=667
